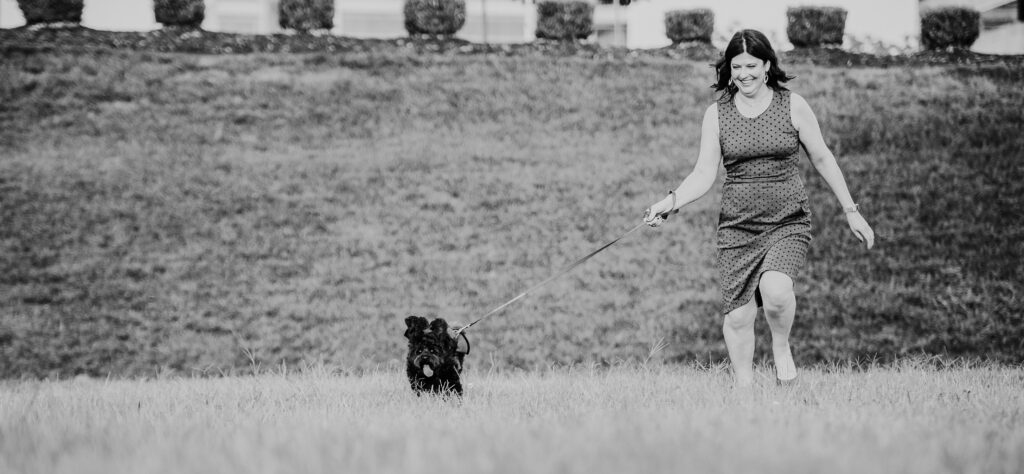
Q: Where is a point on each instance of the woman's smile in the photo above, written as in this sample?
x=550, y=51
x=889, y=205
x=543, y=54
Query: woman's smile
x=748, y=72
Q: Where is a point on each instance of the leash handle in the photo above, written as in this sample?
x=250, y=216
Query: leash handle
x=565, y=270
x=664, y=215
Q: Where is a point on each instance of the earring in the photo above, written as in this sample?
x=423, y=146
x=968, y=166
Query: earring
x=766, y=78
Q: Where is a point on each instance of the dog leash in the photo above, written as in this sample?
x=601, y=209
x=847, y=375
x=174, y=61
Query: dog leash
x=565, y=270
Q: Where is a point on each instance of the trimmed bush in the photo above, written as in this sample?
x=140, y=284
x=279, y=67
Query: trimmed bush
x=51, y=11
x=434, y=17
x=564, y=20
x=956, y=27
x=815, y=26
x=690, y=25
x=305, y=15
x=188, y=13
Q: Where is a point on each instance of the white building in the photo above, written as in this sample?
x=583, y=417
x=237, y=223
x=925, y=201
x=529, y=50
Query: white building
x=891, y=23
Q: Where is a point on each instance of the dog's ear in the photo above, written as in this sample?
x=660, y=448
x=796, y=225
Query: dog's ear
x=414, y=326
x=439, y=326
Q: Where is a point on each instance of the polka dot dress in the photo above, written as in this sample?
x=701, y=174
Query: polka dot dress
x=765, y=223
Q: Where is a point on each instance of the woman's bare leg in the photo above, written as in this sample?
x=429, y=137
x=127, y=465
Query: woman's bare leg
x=738, y=329
x=779, y=309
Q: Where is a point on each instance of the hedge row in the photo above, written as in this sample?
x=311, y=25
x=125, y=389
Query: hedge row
x=306, y=15
x=689, y=25
x=809, y=27
x=564, y=20
x=187, y=13
x=434, y=17
x=951, y=27
x=51, y=11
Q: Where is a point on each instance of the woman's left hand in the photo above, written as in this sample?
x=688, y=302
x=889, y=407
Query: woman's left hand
x=860, y=228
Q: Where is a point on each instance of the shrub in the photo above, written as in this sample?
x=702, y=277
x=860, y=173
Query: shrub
x=51, y=11
x=689, y=25
x=434, y=17
x=815, y=26
x=564, y=20
x=305, y=15
x=188, y=13
x=956, y=27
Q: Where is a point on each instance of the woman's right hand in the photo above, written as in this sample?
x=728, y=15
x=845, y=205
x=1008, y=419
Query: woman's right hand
x=653, y=215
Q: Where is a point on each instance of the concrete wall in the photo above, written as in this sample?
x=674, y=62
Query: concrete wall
x=114, y=15
x=10, y=15
x=120, y=15
x=892, y=22
x=507, y=21
x=369, y=18
x=241, y=16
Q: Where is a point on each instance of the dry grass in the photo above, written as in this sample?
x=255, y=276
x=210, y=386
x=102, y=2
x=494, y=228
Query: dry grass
x=906, y=418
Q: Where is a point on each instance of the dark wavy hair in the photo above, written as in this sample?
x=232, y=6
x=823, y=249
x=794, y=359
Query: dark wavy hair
x=757, y=44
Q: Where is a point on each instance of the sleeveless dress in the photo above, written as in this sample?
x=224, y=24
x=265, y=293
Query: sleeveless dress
x=765, y=223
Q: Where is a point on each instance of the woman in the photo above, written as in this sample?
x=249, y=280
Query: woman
x=755, y=129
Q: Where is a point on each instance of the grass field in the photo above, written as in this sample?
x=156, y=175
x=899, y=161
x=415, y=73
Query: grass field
x=908, y=418
x=235, y=240
x=190, y=214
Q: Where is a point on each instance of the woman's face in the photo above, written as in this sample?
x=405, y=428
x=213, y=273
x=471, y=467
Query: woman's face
x=748, y=73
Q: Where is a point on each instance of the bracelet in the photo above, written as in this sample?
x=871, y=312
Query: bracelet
x=673, y=194
x=852, y=209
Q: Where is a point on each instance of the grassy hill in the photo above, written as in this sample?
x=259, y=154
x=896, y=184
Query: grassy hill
x=199, y=214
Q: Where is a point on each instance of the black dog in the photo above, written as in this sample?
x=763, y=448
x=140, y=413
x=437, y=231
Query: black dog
x=434, y=363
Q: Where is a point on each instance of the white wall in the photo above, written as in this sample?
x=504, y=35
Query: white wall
x=119, y=15
x=137, y=15
x=116, y=15
x=892, y=22
x=241, y=16
x=369, y=18
x=10, y=15
x=507, y=21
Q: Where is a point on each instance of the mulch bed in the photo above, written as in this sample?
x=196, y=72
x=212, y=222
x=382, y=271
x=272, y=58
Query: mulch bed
x=69, y=37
